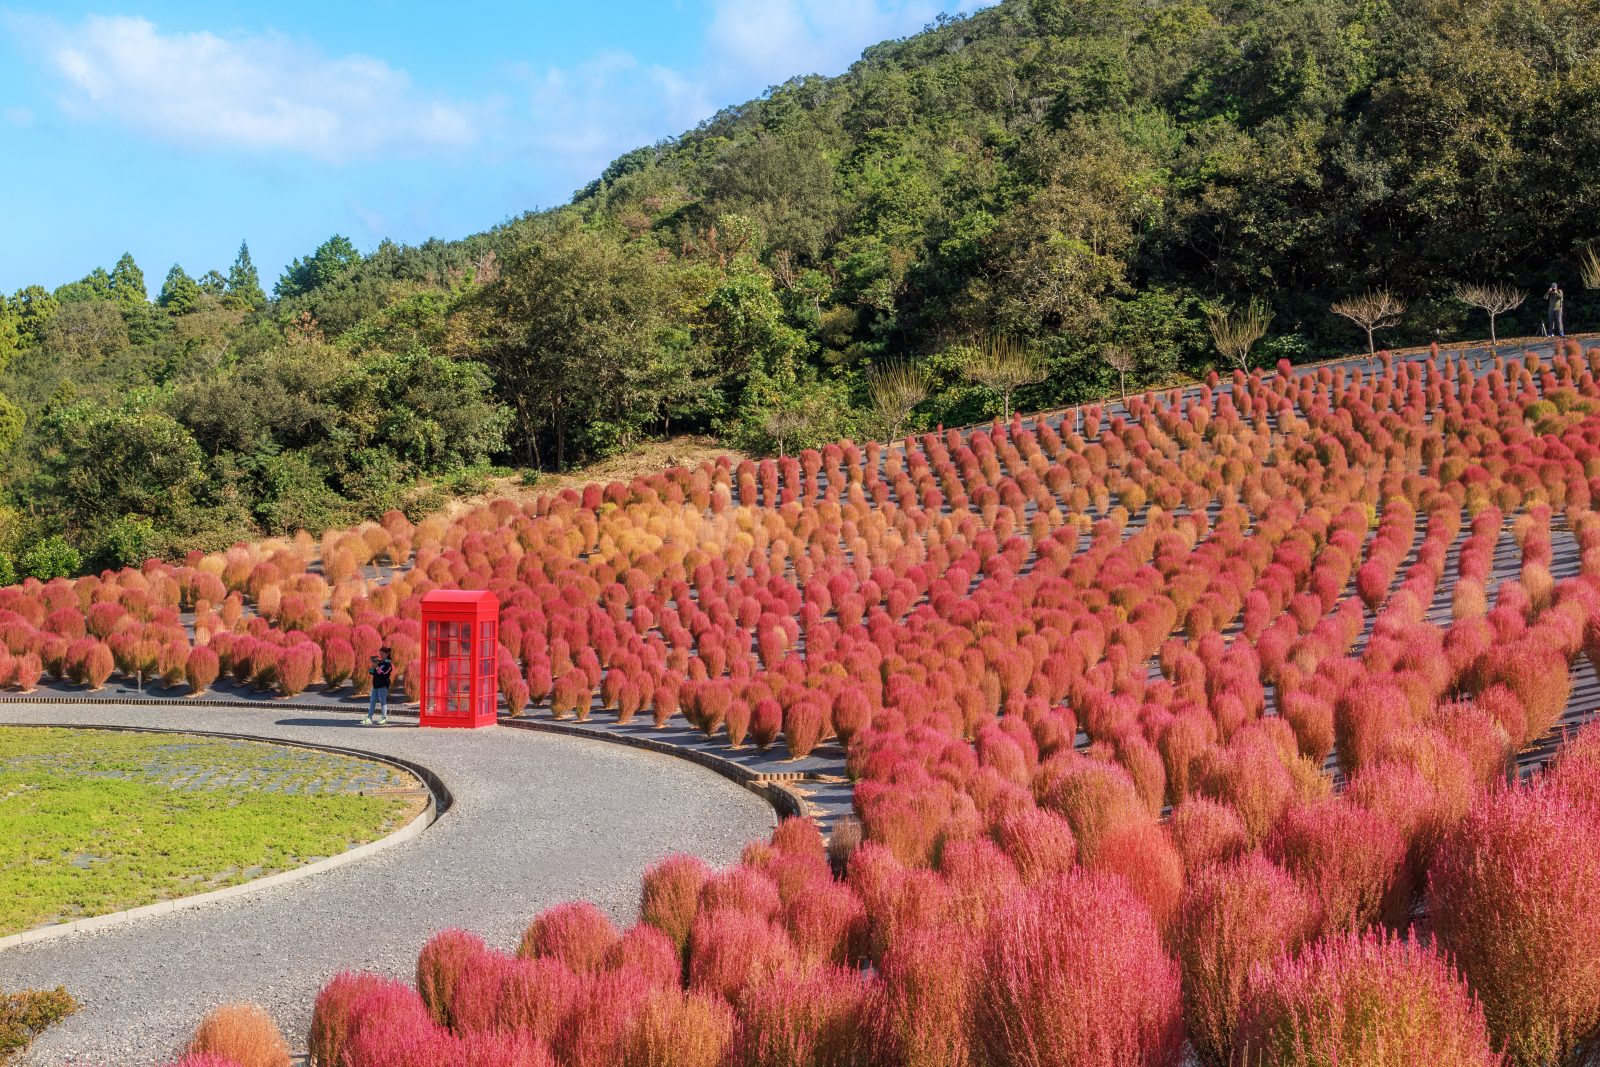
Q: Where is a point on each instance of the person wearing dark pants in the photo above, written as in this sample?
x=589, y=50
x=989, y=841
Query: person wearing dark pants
x=382, y=670
x=1555, y=310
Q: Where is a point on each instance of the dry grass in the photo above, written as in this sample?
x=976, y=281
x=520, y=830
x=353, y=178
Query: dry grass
x=650, y=457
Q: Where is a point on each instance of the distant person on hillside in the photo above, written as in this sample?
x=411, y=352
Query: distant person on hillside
x=1555, y=310
x=382, y=670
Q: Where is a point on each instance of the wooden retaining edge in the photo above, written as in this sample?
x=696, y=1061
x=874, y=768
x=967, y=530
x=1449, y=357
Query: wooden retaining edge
x=785, y=801
x=439, y=801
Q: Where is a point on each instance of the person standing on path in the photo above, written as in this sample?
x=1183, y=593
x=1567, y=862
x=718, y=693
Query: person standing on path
x=382, y=670
x=1555, y=310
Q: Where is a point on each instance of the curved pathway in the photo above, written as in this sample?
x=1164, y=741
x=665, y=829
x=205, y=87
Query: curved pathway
x=536, y=819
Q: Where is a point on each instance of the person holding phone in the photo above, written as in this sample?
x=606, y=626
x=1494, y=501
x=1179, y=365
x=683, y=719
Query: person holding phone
x=1555, y=310
x=382, y=671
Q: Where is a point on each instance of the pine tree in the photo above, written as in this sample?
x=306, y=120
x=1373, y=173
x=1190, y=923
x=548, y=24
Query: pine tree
x=127, y=282
x=244, y=284
x=179, y=293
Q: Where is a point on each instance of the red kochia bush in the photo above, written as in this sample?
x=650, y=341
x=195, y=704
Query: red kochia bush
x=578, y=934
x=333, y=1016
x=440, y=963
x=730, y=950
x=296, y=668
x=201, y=668
x=1362, y=999
x=241, y=1033
x=1039, y=842
x=1074, y=972
x=98, y=665
x=1352, y=860
x=1512, y=893
x=926, y=1013
x=1206, y=831
x=1232, y=917
x=670, y=897
x=677, y=1030
x=814, y=1019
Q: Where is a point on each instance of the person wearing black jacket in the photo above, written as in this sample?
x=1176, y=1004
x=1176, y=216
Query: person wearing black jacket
x=382, y=671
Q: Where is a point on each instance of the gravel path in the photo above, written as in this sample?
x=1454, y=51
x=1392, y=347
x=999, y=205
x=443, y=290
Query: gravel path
x=537, y=819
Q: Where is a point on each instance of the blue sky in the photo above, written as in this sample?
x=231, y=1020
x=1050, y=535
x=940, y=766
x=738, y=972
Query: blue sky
x=176, y=128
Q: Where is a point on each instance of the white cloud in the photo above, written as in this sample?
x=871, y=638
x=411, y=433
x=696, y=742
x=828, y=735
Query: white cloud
x=777, y=39
x=252, y=92
x=583, y=117
x=20, y=117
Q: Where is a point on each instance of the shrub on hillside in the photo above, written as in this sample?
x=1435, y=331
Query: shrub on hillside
x=1511, y=894
x=1074, y=972
x=805, y=1019
x=1352, y=860
x=440, y=964
x=1232, y=917
x=1362, y=999
x=670, y=895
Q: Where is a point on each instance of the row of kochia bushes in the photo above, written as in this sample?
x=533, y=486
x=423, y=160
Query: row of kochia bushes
x=864, y=608
x=1015, y=949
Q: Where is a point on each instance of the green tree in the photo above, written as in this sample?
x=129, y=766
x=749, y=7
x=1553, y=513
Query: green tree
x=180, y=294
x=566, y=329
x=244, y=282
x=99, y=463
x=334, y=259
x=50, y=557
x=127, y=282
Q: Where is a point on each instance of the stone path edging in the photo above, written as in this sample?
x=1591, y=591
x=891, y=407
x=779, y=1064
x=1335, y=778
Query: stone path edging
x=438, y=803
x=786, y=801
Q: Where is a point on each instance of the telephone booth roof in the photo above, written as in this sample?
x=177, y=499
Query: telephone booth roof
x=460, y=600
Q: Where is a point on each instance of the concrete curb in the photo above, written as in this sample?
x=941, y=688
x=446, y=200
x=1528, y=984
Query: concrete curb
x=786, y=801
x=439, y=800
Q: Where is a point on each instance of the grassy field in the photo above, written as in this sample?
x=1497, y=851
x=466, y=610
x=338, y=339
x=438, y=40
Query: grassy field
x=95, y=821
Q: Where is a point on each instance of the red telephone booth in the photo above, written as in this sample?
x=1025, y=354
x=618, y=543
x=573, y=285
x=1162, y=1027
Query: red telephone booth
x=460, y=651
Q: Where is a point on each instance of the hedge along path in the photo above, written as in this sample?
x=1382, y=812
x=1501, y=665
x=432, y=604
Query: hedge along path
x=535, y=820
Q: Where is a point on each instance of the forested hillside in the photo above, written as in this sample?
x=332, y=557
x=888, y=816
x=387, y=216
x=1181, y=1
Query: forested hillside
x=1068, y=175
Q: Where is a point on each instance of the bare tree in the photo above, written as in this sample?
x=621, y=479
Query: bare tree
x=1372, y=311
x=1589, y=266
x=1235, y=334
x=1003, y=365
x=1494, y=299
x=896, y=388
x=1122, y=360
x=782, y=424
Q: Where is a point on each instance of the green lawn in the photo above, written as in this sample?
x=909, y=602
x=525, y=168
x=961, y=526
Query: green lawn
x=95, y=821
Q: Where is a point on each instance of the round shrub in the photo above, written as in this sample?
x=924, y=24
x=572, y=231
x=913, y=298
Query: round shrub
x=670, y=897
x=1074, y=972
x=1362, y=999
x=241, y=1033
x=1352, y=860
x=1512, y=894
x=578, y=934
x=1232, y=917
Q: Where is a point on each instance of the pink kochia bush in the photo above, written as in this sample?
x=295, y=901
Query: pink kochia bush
x=1073, y=971
x=1512, y=894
